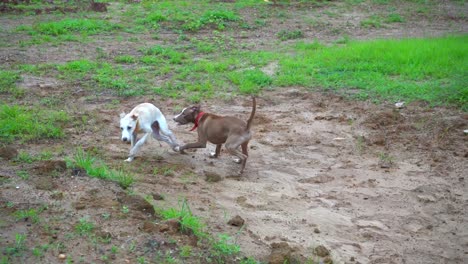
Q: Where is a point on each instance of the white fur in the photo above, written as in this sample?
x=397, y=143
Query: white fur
x=180, y=113
x=140, y=119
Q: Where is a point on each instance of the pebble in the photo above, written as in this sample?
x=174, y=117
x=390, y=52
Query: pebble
x=62, y=256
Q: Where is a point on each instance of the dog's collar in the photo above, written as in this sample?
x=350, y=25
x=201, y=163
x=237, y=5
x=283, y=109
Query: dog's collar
x=199, y=116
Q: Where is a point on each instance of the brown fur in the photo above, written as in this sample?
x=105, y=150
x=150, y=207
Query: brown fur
x=219, y=130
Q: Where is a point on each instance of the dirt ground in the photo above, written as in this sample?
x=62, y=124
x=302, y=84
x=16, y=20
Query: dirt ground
x=370, y=183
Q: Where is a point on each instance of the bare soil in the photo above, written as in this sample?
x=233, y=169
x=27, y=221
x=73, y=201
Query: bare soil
x=368, y=183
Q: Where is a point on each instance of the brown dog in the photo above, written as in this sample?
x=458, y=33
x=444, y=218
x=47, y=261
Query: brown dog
x=229, y=130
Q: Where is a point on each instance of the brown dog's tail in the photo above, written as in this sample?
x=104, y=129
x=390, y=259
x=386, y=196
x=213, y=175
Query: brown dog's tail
x=254, y=107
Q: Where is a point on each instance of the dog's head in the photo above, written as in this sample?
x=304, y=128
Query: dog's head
x=188, y=115
x=128, y=125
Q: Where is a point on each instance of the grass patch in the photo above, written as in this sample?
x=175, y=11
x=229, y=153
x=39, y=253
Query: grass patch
x=96, y=168
x=250, y=81
x=24, y=124
x=30, y=214
x=18, y=247
x=8, y=81
x=84, y=227
x=220, y=249
x=288, y=34
x=432, y=69
x=84, y=26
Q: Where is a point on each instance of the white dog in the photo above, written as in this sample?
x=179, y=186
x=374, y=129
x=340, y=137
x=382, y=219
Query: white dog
x=148, y=119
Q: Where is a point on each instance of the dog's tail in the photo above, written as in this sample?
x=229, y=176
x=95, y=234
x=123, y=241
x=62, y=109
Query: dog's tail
x=254, y=107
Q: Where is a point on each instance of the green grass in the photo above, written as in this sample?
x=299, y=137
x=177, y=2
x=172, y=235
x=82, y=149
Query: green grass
x=26, y=124
x=19, y=247
x=84, y=227
x=8, y=81
x=30, y=214
x=220, y=248
x=84, y=26
x=96, y=168
x=431, y=69
x=288, y=34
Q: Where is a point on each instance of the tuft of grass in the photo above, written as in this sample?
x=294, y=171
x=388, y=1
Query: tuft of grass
x=394, y=18
x=8, y=81
x=187, y=220
x=18, y=247
x=30, y=214
x=165, y=53
x=84, y=227
x=372, y=22
x=96, y=168
x=125, y=59
x=288, y=35
x=21, y=123
x=218, y=18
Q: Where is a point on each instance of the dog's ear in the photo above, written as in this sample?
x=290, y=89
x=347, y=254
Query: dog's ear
x=196, y=108
x=135, y=116
x=122, y=115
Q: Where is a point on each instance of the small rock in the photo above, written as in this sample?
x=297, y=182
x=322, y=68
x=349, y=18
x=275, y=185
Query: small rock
x=150, y=227
x=465, y=131
x=316, y=231
x=8, y=153
x=321, y=251
x=79, y=205
x=57, y=196
x=236, y=221
x=280, y=253
x=171, y=226
x=212, y=176
x=426, y=198
x=158, y=197
x=352, y=259
x=399, y=105
x=371, y=224
x=327, y=260
x=62, y=256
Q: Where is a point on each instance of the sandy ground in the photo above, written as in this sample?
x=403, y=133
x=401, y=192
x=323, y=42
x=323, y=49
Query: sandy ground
x=365, y=181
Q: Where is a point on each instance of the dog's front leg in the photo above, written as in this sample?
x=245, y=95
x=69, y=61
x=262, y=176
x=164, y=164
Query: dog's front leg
x=137, y=147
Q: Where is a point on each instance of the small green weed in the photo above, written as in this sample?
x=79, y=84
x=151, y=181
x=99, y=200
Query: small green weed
x=125, y=59
x=8, y=81
x=288, y=35
x=188, y=221
x=186, y=251
x=84, y=227
x=394, y=18
x=19, y=247
x=125, y=209
x=225, y=246
x=23, y=174
x=30, y=214
x=372, y=22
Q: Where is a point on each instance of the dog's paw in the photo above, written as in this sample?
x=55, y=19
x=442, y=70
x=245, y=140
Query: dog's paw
x=176, y=148
x=237, y=160
x=213, y=155
x=130, y=159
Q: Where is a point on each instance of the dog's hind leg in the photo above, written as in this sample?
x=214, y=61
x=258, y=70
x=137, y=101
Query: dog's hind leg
x=232, y=146
x=137, y=147
x=217, y=151
x=162, y=133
